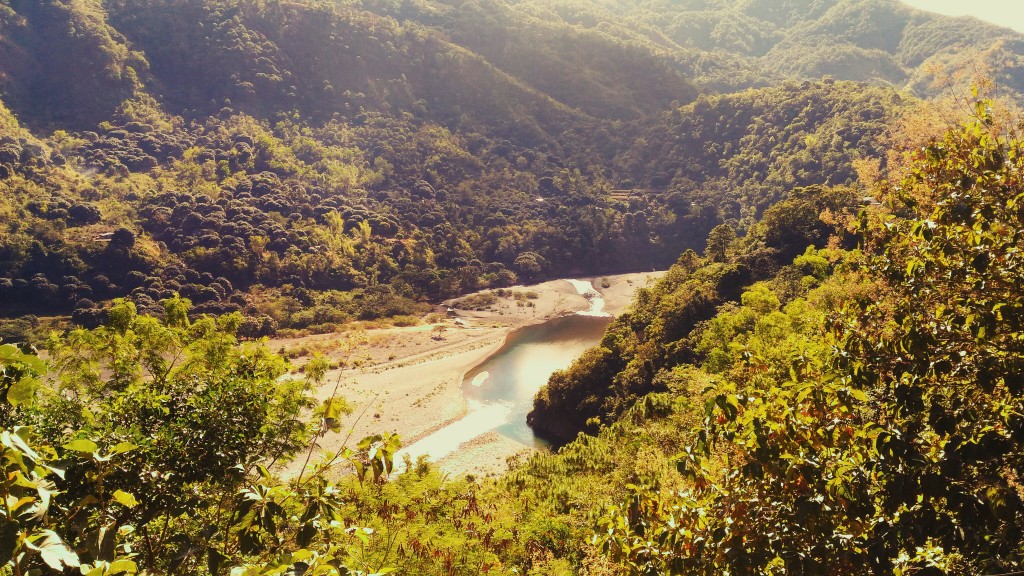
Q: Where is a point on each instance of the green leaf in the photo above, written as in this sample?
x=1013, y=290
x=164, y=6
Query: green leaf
x=858, y=395
x=123, y=566
x=368, y=441
x=10, y=354
x=362, y=534
x=23, y=391
x=125, y=499
x=335, y=408
x=803, y=390
x=913, y=266
x=264, y=473
x=21, y=481
x=709, y=406
x=82, y=445
x=33, y=363
x=123, y=447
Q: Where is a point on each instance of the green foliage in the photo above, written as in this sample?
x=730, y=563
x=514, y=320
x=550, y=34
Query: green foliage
x=245, y=166
x=19, y=378
x=195, y=410
x=26, y=542
x=658, y=332
x=90, y=70
x=130, y=469
x=844, y=400
x=905, y=414
x=148, y=451
x=433, y=149
x=30, y=497
x=758, y=145
x=719, y=239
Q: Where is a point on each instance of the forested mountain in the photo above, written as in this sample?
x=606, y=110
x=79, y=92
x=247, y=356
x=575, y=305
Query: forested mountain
x=353, y=158
x=851, y=407
x=843, y=411
x=832, y=386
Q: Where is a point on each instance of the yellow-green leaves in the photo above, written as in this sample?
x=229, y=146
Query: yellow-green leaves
x=19, y=374
x=125, y=499
x=120, y=566
x=333, y=409
x=10, y=355
x=17, y=443
x=378, y=453
x=23, y=391
x=26, y=532
x=123, y=447
x=82, y=445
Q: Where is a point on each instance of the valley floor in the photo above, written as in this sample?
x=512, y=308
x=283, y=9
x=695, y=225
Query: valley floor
x=408, y=380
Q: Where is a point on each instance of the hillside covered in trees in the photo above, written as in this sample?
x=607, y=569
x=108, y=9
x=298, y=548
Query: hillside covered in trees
x=827, y=379
x=312, y=162
x=851, y=407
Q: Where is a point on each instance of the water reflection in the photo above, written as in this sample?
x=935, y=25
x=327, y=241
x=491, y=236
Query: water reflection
x=524, y=364
x=500, y=391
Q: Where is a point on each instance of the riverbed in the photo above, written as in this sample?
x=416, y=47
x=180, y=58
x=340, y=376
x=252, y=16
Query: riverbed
x=413, y=380
x=499, y=392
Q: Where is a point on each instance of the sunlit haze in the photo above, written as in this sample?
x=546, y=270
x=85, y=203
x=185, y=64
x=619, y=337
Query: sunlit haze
x=1009, y=13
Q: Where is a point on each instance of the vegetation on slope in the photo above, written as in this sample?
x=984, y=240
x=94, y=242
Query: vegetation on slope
x=855, y=410
x=366, y=215
x=830, y=379
x=872, y=423
x=348, y=158
x=657, y=332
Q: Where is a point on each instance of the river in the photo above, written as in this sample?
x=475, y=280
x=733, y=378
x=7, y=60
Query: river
x=499, y=392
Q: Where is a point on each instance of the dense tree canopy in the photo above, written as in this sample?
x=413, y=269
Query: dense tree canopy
x=833, y=387
x=269, y=156
x=854, y=407
x=878, y=431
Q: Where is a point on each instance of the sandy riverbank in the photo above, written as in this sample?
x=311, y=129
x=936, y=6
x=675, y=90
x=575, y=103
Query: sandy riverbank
x=409, y=380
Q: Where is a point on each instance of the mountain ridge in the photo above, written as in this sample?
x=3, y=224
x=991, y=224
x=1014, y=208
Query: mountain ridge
x=482, y=142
